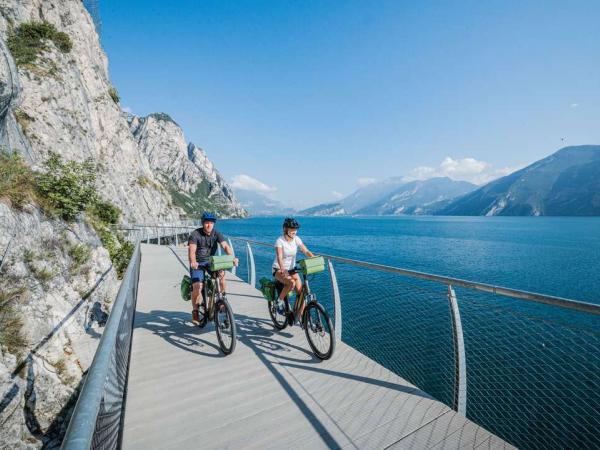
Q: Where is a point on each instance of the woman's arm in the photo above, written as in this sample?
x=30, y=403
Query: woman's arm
x=279, y=251
x=306, y=251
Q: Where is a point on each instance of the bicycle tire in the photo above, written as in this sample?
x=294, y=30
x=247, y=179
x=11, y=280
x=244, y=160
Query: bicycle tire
x=316, y=322
x=280, y=323
x=225, y=326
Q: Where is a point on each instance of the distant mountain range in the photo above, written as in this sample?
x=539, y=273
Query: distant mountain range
x=261, y=205
x=393, y=197
x=567, y=183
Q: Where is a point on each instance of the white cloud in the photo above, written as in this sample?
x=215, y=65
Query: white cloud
x=127, y=109
x=248, y=183
x=467, y=169
x=574, y=105
x=337, y=195
x=365, y=181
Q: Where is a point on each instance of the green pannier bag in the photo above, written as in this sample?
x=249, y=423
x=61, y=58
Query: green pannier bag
x=186, y=288
x=312, y=265
x=224, y=262
x=267, y=287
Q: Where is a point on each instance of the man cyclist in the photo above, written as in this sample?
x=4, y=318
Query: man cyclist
x=202, y=244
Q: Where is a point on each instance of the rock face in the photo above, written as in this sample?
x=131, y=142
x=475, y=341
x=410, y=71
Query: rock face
x=185, y=171
x=57, y=279
x=566, y=183
x=61, y=302
x=63, y=103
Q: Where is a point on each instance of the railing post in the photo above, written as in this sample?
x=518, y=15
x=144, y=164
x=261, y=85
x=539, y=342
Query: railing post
x=337, y=304
x=233, y=269
x=460, y=363
x=251, y=269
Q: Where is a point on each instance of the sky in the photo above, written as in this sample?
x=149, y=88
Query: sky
x=306, y=101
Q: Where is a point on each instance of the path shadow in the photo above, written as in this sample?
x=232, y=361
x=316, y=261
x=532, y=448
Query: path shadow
x=175, y=328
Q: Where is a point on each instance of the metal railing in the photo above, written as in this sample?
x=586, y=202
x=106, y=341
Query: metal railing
x=96, y=422
x=524, y=365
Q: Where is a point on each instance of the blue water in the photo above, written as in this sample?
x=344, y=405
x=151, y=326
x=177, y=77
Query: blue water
x=533, y=371
x=550, y=255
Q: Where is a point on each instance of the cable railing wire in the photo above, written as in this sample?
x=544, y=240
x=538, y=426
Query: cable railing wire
x=532, y=360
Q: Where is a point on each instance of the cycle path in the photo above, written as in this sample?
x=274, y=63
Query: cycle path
x=271, y=392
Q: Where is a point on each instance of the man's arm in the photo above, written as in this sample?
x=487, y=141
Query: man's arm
x=192, y=256
x=229, y=251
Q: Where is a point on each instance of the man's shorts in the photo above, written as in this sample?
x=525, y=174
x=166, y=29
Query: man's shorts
x=197, y=275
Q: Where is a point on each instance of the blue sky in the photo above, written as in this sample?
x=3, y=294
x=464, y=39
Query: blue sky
x=313, y=98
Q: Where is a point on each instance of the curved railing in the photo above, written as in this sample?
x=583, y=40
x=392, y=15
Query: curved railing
x=524, y=365
x=97, y=418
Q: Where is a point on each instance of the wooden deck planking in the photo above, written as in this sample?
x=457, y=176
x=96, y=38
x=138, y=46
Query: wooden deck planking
x=272, y=392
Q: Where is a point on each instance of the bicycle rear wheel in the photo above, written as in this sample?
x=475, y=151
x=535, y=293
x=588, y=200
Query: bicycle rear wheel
x=279, y=320
x=225, y=326
x=319, y=331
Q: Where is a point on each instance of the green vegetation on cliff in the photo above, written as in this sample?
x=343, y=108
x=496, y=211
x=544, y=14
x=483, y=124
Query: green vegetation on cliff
x=30, y=39
x=66, y=190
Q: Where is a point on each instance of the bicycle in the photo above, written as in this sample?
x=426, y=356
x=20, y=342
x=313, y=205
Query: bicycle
x=315, y=321
x=214, y=305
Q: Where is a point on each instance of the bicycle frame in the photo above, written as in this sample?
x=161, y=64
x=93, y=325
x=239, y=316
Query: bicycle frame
x=210, y=299
x=299, y=304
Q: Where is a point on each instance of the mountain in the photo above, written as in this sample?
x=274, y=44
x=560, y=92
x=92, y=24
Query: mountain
x=416, y=197
x=359, y=199
x=260, y=205
x=394, y=196
x=566, y=183
x=325, y=209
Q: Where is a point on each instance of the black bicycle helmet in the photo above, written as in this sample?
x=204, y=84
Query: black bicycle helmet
x=208, y=217
x=290, y=222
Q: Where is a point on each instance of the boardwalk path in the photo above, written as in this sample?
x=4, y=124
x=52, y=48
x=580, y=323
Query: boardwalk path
x=271, y=393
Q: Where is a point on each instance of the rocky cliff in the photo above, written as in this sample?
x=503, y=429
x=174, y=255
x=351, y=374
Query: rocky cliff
x=57, y=280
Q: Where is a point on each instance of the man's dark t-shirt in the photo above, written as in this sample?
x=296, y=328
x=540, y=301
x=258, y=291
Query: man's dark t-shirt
x=207, y=244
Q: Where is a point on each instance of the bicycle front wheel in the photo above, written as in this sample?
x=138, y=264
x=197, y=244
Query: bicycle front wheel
x=319, y=331
x=225, y=326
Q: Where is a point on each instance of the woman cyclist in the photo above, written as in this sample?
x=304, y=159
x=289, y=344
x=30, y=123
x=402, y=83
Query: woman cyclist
x=286, y=247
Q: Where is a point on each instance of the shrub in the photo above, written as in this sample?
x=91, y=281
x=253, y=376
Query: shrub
x=119, y=249
x=11, y=323
x=31, y=38
x=143, y=180
x=17, y=181
x=68, y=186
x=106, y=212
x=28, y=256
x=114, y=95
x=41, y=274
x=80, y=254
